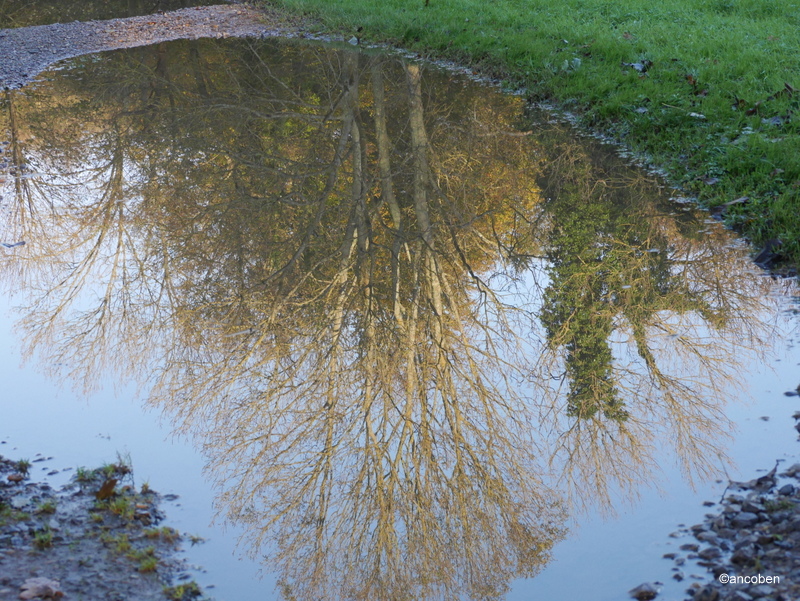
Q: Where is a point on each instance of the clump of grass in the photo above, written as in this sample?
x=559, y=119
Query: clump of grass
x=83, y=475
x=23, y=466
x=148, y=564
x=10, y=515
x=165, y=533
x=773, y=505
x=146, y=558
x=122, y=506
x=183, y=592
x=46, y=507
x=123, y=466
x=43, y=539
x=122, y=545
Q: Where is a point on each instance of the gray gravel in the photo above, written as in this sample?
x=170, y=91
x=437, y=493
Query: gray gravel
x=27, y=51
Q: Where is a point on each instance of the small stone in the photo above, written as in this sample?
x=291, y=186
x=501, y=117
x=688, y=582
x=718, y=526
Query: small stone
x=679, y=576
x=743, y=556
x=745, y=519
x=708, y=537
x=750, y=507
x=707, y=593
x=786, y=490
x=41, y=587
x=644, y=592
x=689, y=547
x=710, y=553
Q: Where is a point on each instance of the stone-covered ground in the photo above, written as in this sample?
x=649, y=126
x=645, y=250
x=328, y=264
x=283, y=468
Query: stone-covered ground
x=98, y=537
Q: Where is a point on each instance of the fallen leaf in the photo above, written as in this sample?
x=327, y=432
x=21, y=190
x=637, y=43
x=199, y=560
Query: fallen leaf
x=697, y=115
x=776, y=171
x=754, y=109
x=106, y=490
x=710, y=181
x=16, y=478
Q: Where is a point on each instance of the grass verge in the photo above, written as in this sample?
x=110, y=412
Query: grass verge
x=708, y=90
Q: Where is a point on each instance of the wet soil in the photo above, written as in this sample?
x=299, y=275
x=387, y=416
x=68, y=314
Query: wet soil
x=27, y=51
x=80, y=546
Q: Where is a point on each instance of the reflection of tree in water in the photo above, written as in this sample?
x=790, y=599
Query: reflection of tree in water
x=335, y=277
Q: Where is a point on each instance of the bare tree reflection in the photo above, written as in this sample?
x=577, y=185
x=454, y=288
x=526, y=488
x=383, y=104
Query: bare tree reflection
x=403, y=328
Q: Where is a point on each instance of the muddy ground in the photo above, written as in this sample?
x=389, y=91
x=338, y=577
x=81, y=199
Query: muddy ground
x=98, y=537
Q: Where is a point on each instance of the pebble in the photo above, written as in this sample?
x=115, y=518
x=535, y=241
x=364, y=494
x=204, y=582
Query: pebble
x=755, y=532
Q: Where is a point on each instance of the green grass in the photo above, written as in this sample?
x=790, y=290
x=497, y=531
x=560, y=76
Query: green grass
x=9, y=515
x=183, y=592
x=714, y=108
x=46, y=507
x=43, y=539
x=165, y=533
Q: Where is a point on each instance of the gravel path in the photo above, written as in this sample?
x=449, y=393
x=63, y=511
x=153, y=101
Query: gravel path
x=27, y=51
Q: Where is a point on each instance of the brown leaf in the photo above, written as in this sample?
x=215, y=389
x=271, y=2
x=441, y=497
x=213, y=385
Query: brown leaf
x=691, y=79
x=754, y=109
x=106, y=490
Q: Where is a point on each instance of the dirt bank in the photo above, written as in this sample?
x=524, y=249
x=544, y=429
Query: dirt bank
x=98, y=537
x=27, y=51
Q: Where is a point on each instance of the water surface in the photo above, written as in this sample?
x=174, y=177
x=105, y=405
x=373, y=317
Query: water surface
x=416, y=334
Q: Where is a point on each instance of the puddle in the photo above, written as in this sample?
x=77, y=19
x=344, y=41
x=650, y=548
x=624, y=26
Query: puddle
x=424, y=344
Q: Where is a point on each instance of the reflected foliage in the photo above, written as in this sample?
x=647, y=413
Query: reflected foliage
x=409, y=328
